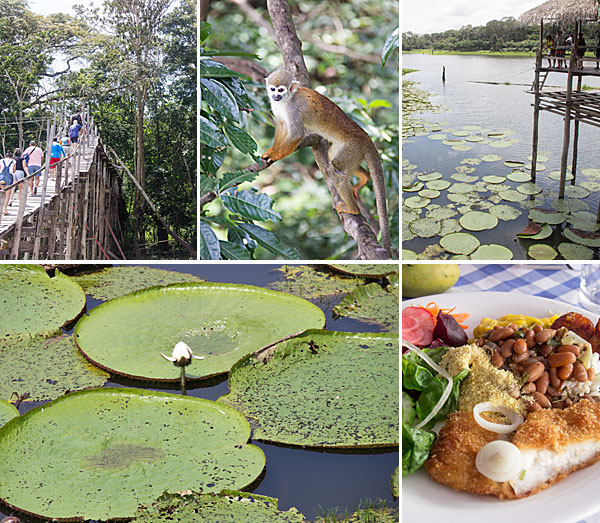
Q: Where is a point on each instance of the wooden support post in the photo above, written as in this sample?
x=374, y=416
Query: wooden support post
x=14, y=252
x=576, y=135
x=567, y=127
x=536, y=105
x=36, y=243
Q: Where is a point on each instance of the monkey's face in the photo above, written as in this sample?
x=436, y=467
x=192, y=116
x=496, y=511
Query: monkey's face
x=277, y=93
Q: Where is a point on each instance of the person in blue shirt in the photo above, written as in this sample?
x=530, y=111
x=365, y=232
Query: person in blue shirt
x=75, y=132
x=56, y=153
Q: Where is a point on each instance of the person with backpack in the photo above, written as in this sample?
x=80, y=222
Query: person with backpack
x=76, y=117
x=7, y=168
x=35, y=157
x=20, y=169
x=75, y=132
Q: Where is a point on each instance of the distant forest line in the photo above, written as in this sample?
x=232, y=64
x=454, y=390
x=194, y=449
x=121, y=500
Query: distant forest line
x=501, y=36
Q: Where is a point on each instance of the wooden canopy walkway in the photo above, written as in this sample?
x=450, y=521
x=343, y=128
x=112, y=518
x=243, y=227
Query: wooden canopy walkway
x=75, y=213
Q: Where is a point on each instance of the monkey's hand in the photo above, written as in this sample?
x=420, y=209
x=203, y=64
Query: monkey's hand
x=269, y=156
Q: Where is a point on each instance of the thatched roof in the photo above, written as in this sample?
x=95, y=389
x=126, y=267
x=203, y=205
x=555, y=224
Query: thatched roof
x=563, y=11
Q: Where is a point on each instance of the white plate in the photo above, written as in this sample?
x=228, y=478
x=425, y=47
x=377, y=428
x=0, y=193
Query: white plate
x=568, y=501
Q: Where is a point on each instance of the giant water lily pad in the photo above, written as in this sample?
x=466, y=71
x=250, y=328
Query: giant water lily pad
x=541, y=251
x=219, y=321
x=113, y=282
x=7, y=412
x=100, y=453
x=574, y=191
x=459, y=243
x=478, y=221
x=34, y=303
x=45, y=368
x=364, y=270
x=395, y=481
x=519, y=176
x=573, y=251
x=228, y=507
x=321, y=389
x=492, y=252
x=313, y=284
x=589, y=239
x=373, y=303
x=425, y=227
x=547, y=216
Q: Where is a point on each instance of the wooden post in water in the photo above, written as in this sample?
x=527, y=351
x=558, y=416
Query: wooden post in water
x=576, y=134
x=536, y=104
x=567, y=126
x=40, y=221
x=444, y=74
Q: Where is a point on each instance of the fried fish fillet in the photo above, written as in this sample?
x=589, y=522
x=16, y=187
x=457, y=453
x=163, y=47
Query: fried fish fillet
x=553, y=443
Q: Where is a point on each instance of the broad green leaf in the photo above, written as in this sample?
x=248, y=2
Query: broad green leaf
x=395, y=481
x=379, y=103
x=321, y=389
x=364, y=270
x=220, y=98
x=7, y=412
x=250, y=205
x=209, y=243
x=234, y=251
x=210, y=134
x=269, y=241
x=238, y=90
x=240, y=139
x=390, y=44
x=99, y=454
x=227, y=507
x=112, y=282
x=373, y=304
x=45, y=368
x=34, y=303
x=234, y=178
x=204, y=31
x=213, y=69
x=219, y=321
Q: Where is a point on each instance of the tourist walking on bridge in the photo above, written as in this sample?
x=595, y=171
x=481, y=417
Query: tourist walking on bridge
x=35, y=159
x=56, y=154
x=7, y=169
x=75, y=132
x=20, y=169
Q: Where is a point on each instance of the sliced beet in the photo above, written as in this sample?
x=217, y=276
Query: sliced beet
x=448, y=330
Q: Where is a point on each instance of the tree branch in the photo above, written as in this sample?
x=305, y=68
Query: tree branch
x=291, y=49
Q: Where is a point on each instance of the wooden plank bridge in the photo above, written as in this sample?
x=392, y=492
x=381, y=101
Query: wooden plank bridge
x=75, y=213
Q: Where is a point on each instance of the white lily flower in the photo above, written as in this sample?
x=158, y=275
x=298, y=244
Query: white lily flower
x=182, y=355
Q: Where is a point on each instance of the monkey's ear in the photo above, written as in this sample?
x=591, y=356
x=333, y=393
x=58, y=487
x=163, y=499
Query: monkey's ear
x=293, y=86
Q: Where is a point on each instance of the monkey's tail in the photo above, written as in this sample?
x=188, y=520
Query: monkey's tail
x=374, y=163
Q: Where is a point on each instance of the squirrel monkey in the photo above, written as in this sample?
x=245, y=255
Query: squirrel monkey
x=300, y=111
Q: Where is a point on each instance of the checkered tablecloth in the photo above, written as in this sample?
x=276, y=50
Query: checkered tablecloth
x=559, y=282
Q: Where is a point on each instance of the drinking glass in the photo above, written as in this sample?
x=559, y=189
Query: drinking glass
x=589, y=287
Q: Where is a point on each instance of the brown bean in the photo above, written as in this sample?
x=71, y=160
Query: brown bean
x=541, y=384
x=501, y=334
x=534, y=359
x=480, y=342
x=545, y=350
x=507, y=348
x=554, y=380
x=517, y=358
x=558, y=404
x=532, y=407
x=513, y=326
x=520, y=346
x=559, y=359
x=579, y=372
x=591, y=373
x=536, y=328
x=564, y=372
x=528, y=388
x=530, y=338
x=569, y=348
x=497, y=359
x=568, y=402
x=544, y=335
x=534, y=370
x=542, y=400
x=552, y=391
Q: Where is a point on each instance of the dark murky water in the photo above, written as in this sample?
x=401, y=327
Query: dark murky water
x=313, y=481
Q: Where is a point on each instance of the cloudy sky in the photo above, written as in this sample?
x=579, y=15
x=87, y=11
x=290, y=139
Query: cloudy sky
x=45, y=7
x=433, y=16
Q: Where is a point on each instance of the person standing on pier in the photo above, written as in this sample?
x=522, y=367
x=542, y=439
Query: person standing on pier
x=36, y=156
x=560, y=48
x=551, y=50
x=581, y=48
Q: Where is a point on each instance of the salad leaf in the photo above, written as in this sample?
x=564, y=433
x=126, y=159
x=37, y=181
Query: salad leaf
x=408, y=409
x=416, y=373
x=430, y=396
x=415, y=447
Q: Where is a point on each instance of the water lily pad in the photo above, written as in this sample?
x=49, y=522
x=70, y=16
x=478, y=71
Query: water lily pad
x=459, y=243
x=441, y=213
x=463, y=177
x=540, y=158
x=429, y=193
x=478, y=221
x=569, y=205
x=591, y=172
x=453, y=142
x=373, y=303
x=425, y=227
x=590, y=186
x=505, y=212
x=100, y=453
x=407, y=235
x=7, y=412
x=113, y=282
x=475, y=138
x=407, y=254
x=541, y=251
x=584, y=220
x=555, y=175
x=461, y=147
x=416, y=202
x=513, y=165
x=430, y=176
x=471, y=161
x=462, y=133
x=450, y=225
x=492, y=252
x=501, y=144
x=438, y=185
x=589, y=239
x=538, y=233
x=512, y=196
x=574, y=191
x=34, y=303
x=491, y=157
x=519, y=176
x=547, y=216
x=395, y=481
x=573, y=251
x=321, y=389
x=228, y=507
x=219, y=321
x=460, y=188
x=415, y=187
x=45, y=368
x=529, y=188
x=437, y=136
x=494, y=179
x=364, y=270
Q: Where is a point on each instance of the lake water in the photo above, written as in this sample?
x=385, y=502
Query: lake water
x=313, y=481
x=495, y=108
